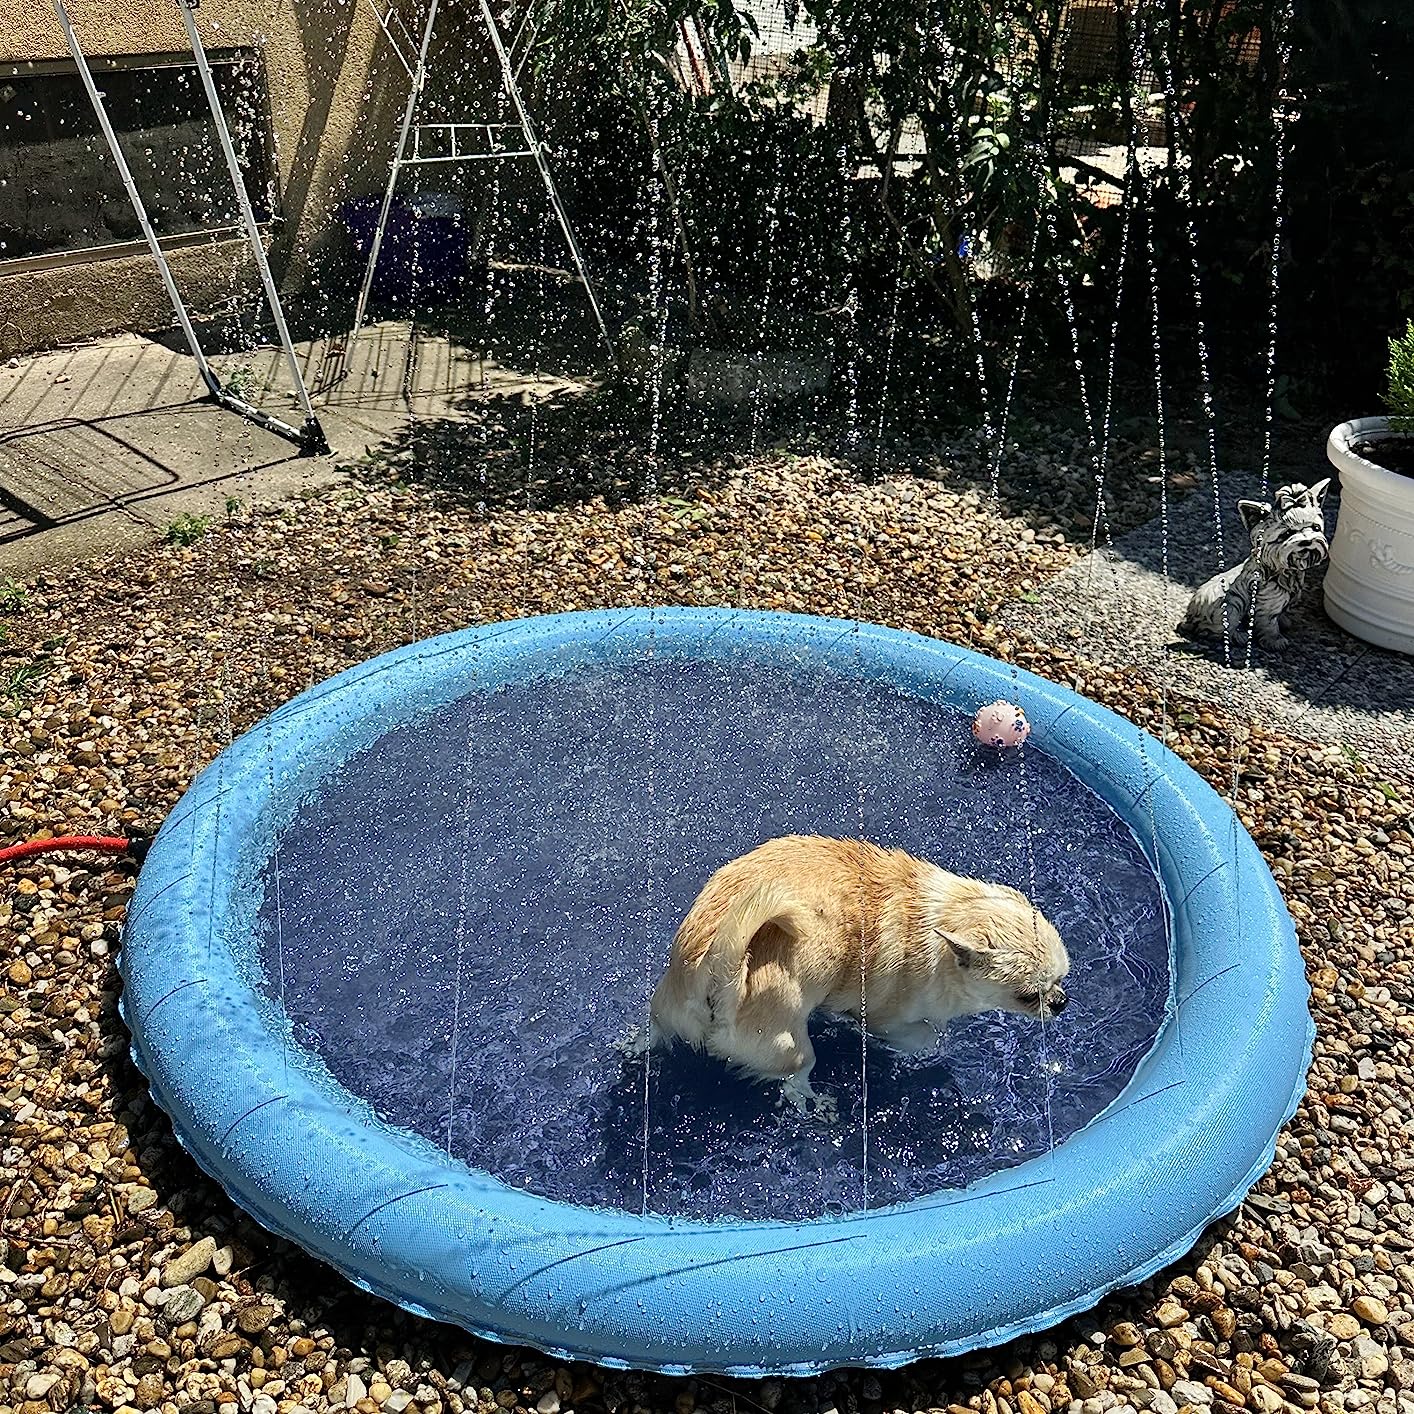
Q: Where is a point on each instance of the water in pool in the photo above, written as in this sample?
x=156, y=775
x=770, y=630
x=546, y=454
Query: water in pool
x=562, y=828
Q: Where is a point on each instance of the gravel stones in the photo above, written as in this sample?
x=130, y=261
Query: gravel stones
x=254, y=1318
x=139, y=1200
x=129, y=1282
x=39, y=1386
x=182, y=1304
x=1369, y=1309
x=190, y=1264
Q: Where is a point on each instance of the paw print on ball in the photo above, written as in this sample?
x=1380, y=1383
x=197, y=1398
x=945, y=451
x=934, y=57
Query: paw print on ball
x=1001, y=724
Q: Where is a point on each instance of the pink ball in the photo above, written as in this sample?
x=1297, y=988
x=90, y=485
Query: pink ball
x=1001, y=724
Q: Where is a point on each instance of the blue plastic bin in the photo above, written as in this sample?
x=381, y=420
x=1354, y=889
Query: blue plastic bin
x=423, y=257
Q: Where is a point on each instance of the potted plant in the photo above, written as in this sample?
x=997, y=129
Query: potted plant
x=1369, y=587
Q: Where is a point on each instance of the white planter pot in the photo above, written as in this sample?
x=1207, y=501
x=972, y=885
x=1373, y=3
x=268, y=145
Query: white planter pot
x=1370, y=580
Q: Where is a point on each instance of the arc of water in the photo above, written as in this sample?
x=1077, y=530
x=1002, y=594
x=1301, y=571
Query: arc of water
x=966, y=256
x=310, y=437
x=1029, y=836
x=1183, y=182
x=512, y=87
x=847, y=163
x=1144, y=194
x=657, y=354
x=459, y=935
x=1134, y=187
x=1185, y=195
x=464, y=872
x=891, y=339
x=1281, y=37
x=494, y=212
x=415, y=88
x=1098, y=440
x=773, y=223
x=849, y=308
x=1101, y=518
x=1281, y=29
x=994, y=469
x=468, y=766
x=1078, y=362
x=862, y=562
x=1101, y=514
x=252, y=229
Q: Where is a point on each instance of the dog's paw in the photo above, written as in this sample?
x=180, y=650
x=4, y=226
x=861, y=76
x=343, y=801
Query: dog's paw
x=810, y=1103
x=635, y=1043
x=1272, y=642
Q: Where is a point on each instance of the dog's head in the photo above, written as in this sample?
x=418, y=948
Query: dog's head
x=1291, y=533
x=1009, y=955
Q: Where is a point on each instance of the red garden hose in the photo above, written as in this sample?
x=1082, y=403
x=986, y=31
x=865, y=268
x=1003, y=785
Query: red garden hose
x=135, y=848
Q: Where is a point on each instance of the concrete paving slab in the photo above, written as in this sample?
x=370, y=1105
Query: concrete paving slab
x=1120, y=606
x=104, y=445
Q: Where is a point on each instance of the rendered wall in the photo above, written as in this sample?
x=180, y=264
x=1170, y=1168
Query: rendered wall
x=334, y=93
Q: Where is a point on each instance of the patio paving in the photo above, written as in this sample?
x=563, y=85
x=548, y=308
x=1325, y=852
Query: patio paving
x=1118, y=607
x=103, y=445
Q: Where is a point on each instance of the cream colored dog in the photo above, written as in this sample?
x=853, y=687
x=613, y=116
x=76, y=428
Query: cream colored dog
x=802, y=923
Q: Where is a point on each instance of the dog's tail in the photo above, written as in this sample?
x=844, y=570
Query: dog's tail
x=703, y=986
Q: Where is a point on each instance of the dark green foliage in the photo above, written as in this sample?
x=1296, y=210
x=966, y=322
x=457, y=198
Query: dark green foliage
x=1352, y=186
x=998, y=97
x=971, y=78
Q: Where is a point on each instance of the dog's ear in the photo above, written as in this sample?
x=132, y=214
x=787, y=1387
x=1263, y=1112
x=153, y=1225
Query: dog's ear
x=1252, y=512
x=967, y=953
x=1316, y=494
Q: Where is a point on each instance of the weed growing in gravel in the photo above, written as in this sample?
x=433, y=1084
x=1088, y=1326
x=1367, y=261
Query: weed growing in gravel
x=13, y=596
x=685, y=512
x=187, y=529
x=240, y=382
x=16, y=683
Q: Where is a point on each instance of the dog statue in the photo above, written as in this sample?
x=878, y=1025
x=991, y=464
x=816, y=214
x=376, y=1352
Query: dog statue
x=1288, y=540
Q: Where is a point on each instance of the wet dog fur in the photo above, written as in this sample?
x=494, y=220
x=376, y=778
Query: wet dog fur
x=805, y=923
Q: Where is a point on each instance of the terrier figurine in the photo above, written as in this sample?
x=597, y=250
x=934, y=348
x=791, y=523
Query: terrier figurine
x=1288, y=540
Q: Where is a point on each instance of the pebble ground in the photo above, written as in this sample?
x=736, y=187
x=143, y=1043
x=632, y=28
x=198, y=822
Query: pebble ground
x=129, y=1282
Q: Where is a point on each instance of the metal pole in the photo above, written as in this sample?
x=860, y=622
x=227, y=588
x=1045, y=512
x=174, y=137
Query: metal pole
x=414, y=93
x=533, y=140
x=139, y=210
x=302, y=436
x=388, y=35
x=252, y=230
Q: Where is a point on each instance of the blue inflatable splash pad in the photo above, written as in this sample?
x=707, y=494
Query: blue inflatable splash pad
x=382, y=952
